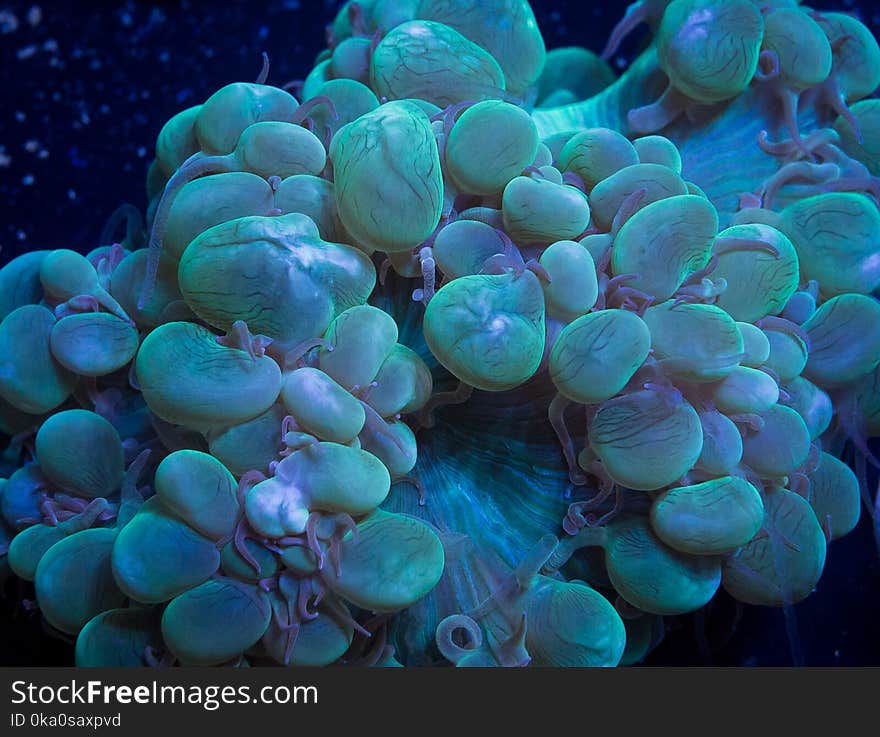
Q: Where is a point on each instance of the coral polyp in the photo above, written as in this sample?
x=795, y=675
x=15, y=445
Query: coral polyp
x=466, y=354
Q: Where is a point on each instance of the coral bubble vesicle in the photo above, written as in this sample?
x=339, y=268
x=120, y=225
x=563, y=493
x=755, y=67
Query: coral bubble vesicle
x=469, y=353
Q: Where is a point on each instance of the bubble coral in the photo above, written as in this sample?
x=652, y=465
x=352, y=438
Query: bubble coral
x=400, y=356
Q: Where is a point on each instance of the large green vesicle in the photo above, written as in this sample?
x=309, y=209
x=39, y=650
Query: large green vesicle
x=275, y=274
x=389, y=184
x=31, y=380
x=216, y=621
x=597, y=354
x=199, y=490
x=646, y=440
x=654, y=577
x=157, y=555
x=118, y=638
x=709, y=48
x=664, y=242
x=835, y=236
x=711, y=518
x=488, y=329
x=75, y=582
x=381, y=575
x=782, y=566
x=214, y=385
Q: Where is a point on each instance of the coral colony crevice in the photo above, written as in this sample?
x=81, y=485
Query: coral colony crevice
x=468, y=353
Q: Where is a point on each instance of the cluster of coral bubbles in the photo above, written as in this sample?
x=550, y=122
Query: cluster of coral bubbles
x=300, y=418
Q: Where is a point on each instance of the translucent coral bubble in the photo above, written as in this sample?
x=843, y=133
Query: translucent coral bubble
x=802, y=49
x=694, y=341
x=573, y=287
x=93, y=344
x=118, y=638
x=462, y=247
x=710, y=48
x=507, y=29
x=357, y=344
x=31, y=380
x=664, y=242
x=866, y=150
x=200, y=490
x=188, y=378
x=320, y=641
x=779, y=445
x=609, y=195
x=177, y=140
x=157, y=556
x=595, y=154
x=653, y=577
x=571, y=625
x=780, y=567
x=389, y=185
x=722, y=444
x=647, y=439
x=596, y=355
x=488, y=329
x=225, y=114
x=834, y=497
x=844, y=340
x=324, y=477
x=836, y=237
x=760, y=279
x=394, y=443
x=484, y=165
x=74, y=581
x=711, y=518
x=353, y=17
x=261, y=564
x=211, y=200
x=351, y=100
x=745, y=390
x=314, y=197
x=31, y=544
x=391, y=563
x=811, y=403
x=575, y=70
x=20, y=283
x=126, y=281
x=756, y=347
x=387, y=14
x=276, y=274
x=856, y=61
x=320, y=406
x=315, y=79
x=351, y=59
x=788, y=353
x=433, y=62
x=277, y=148
x=81, y=452
x=20, y=498
x=403, y=383
x=542, y=211
x=66, y=275
x=658, y=150
x=216, y=621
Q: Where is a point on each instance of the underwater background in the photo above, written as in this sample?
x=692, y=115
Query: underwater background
x=87, y=86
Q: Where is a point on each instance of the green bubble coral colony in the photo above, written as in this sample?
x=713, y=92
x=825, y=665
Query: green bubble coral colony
x=468, y=353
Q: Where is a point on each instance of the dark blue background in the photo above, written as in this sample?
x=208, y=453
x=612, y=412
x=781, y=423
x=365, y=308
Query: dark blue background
x=85, y=88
